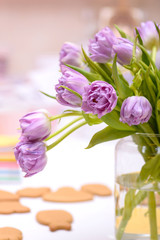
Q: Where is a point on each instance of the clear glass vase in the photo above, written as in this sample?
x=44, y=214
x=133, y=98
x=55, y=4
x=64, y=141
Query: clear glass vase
x=137, y=187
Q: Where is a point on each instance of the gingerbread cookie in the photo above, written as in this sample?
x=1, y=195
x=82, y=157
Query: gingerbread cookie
x=67, y=194
x=9, y=207
x=97, y=189
x=33, y=192
x=55, y=219
x=7, y=196
x=8, y=233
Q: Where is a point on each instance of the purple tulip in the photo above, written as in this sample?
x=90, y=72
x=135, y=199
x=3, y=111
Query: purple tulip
x=99, y=98
x=124, y=50
x=35, y=126
x=149, y=34
x=100, y=47
x=31, y=156
x=73, y=80
x=70, y=54
x=135, y=110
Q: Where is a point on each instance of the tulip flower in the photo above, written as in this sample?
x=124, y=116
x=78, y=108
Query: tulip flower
x=99, y=98
x=31, y=157
x=100, y=47
x=70, y=54
x=149, y=34
x=135, y=110
x=74, y=81
x=35, y=126
x=124, y=50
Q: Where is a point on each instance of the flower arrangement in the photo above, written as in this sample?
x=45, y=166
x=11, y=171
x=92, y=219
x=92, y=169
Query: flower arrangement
x=96, y=84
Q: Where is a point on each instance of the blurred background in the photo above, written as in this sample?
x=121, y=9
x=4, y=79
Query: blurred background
x=31, y=35
x=33, y=28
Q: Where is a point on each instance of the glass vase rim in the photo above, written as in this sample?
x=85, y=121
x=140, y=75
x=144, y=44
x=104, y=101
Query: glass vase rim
x=140, y=134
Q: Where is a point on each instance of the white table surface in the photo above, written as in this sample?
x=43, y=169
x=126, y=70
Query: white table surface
x=70, y=164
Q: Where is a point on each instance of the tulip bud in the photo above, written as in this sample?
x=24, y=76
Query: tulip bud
x=70, y=54
x=135, y=110
x=35, y=126
x=100, y=47
x=72, y=80
x=124, y=50
x=149, y=34
x=31, y=157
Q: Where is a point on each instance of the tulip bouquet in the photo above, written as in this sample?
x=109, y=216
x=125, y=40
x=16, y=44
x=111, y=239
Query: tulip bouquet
x=116, y=82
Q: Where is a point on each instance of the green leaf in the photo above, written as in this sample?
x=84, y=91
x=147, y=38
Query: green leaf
x=122, y=88
x=151, y=86
x=157, y=28
x=46, y=94
x=91, y=119
x=148, y=92
x=150, y=170
x=157, y=111
x=106, y=68
x=72, y=111
x=158, y=105
x=96, y=68
x=147, y=58
x=90, y=76
x=123, y=34
x=145, y=146
x=137, y=80
x=134, y=58
x=144, y=55
x=72, y=91
x=139, y=37
x=107, y=134
x=112, y=119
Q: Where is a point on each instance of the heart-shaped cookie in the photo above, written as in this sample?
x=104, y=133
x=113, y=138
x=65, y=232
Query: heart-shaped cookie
x=8, y=233
x=55, y=219
x=9, y=207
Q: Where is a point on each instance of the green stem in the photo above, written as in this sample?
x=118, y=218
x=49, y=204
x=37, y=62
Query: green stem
x=46, y=94
x=153, y=53
x=63, y=128
x=65, y=135
x=152, y=216
x=65, y=115
x=134, y=90
x=131, y=201
x=145, y=67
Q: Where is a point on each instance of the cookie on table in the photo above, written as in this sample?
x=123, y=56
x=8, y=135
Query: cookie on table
x=97, y=189
x=9, y=233
x=9, y=207
x=8, y=196
x=67, y=194
x=33, y=192
x=55, y=219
